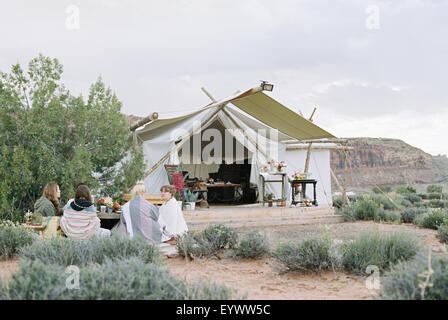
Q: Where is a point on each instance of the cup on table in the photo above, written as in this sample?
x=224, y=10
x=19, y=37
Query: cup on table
x=103, y=209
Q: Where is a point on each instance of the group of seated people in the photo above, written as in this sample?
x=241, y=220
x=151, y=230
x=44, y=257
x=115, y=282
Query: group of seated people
x=139, y=217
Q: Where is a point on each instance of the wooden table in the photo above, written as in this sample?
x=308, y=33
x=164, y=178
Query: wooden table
x=264, y=181
x=303, y=183
x=204, y=189
x=108, y=220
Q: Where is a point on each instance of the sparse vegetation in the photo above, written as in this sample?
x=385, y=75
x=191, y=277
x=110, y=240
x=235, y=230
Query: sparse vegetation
x=12, y=238
x=414, y=280
x=372, y=248
x=128, y=279
x=254, y=245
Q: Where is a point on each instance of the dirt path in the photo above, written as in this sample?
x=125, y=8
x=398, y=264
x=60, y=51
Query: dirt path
x=258, y=280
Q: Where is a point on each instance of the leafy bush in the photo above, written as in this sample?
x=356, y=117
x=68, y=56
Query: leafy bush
x=348, y=212
x=435, y=196
x=366, y=210
x=307, y=255
x=423, y=195
x=389, y=216
x=382, y=189
x=207, y=242
x=65, y=252
x=128, y=279
x=405, y=190
x=432, y=219
x=442, y=232
x=221, y=236
x=406, y=280
x=406, y=203
x=372, y=248
x=434, y=188
x=337, y=202
x=413, y=198
x=254, y=245
x=409, y=214
x=437, y=204
x=12, y=238
x=194, y=245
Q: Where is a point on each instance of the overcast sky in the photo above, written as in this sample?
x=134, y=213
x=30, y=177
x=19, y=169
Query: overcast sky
x=372, y=68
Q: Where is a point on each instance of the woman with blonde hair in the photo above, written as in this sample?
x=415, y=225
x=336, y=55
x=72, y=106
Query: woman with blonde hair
x=141, y=218
x=48, y=204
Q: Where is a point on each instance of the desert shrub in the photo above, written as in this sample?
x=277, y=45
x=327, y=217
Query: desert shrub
x=432, y=219
x=434, y=188
x=442, y=232
x=128, y=279
x=373, y=248
x=409, y=214
x=406, y=280
x=337, y=202
x=437, y=204
x=348, y=212
x=194, y=245
x=406, y=203
x=435, y=196
x=67, y=252
x=405, y=190
x=413, y=198
x=366, y=210
x=389, y=216
x=12, y=238
x=221, y=236
x=308, y=255
x=253, y=245
x=423, y=195
x=382, y=189
x=382, y=200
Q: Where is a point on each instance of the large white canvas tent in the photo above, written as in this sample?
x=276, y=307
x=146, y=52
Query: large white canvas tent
x=247, y=122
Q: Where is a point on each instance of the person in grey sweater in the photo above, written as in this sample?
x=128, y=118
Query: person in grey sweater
x=48, y=204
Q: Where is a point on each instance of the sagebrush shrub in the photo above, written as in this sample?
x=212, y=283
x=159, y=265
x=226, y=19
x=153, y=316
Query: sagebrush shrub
x=373, y=248
x=437, y=204
x=406, y=280
x=432, y=219
x=12, y=238
x=409, y=214
x=366, y=210
x=65, y=252
x=405, y=190
x=308, y=255
x=128, y=279
x=221, y=236
x=253, y=245
x=442, y=232
x=434, y=188
x=413, y=198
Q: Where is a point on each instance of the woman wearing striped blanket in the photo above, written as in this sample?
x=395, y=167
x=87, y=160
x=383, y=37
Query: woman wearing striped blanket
x=141, y=218
x=80, y=220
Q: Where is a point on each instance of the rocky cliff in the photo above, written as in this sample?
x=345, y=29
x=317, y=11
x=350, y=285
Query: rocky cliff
x=378, y=161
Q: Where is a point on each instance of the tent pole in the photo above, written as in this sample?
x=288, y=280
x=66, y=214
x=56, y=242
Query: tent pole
x=244, y=132
x=234, y=122
x=308, y=153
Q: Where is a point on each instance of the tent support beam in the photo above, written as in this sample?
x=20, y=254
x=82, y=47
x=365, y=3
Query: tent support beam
x=308, y=153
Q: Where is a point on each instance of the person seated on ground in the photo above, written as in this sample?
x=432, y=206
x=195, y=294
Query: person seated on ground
x=48, y=204
x=80, y=220
x=171, y=213
x=141, y=218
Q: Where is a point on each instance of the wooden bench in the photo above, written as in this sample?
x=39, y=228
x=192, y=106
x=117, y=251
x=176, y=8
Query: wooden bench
x=155, y=199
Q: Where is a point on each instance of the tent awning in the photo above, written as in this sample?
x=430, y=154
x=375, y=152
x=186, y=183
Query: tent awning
x=274, y=114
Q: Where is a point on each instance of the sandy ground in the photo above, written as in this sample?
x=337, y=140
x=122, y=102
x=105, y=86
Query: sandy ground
x=258, y=279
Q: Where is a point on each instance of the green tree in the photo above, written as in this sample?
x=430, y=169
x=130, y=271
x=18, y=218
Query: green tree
x=47, y=134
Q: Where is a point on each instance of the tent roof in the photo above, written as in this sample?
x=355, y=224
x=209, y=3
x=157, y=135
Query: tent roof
x=259, y=106
x=276, y=115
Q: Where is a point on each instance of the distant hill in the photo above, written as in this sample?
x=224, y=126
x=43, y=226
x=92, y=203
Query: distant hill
x=379, y=161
